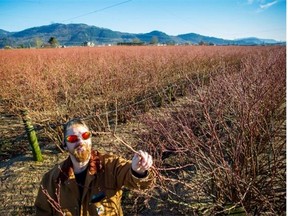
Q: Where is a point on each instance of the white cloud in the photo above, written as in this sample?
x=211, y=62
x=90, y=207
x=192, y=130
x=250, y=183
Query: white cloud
x=256, y=1
x=268, y=5
x=262, y=3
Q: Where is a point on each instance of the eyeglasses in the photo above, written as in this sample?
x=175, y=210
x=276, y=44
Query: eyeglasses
x=74, y=138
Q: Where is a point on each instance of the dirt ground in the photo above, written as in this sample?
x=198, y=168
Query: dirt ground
x=19, y=181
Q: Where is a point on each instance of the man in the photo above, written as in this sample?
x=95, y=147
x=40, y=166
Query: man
x=88, y=182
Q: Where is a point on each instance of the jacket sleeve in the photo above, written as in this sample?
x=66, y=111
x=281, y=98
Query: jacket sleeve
x=41, y=204
x=122, y=173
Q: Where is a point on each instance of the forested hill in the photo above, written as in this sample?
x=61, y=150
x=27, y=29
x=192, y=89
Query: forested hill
x=77, y=34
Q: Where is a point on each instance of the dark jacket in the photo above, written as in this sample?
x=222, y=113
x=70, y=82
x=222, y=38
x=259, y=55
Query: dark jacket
x=106, y=175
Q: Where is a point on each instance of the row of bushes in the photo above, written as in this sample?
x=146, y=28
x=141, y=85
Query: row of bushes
x=223, y=151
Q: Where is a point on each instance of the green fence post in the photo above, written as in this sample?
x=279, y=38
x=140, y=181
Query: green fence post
x=32, y=138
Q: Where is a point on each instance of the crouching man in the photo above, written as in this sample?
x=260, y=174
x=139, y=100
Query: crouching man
x=88, y=182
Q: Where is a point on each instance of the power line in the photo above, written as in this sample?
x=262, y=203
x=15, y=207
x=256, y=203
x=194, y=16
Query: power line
x=105, y=8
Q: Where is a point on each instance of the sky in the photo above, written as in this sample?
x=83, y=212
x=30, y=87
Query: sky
x=227, y=19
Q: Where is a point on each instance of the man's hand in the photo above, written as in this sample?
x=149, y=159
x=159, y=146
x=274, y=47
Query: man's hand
x=141, y=162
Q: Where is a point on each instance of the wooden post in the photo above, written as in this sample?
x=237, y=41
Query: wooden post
x=32, y=137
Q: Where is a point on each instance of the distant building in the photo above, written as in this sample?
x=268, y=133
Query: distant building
x=89, y=44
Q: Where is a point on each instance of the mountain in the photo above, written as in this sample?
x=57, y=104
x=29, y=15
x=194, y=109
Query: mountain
x=157, y=36
x=257, y=41
x=196, y=39
x=4, y=33
x=77, y=34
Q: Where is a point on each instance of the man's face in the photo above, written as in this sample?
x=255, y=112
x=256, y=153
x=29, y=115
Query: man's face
x=79, y=145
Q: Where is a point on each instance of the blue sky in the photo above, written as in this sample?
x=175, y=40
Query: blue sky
x=228, y=19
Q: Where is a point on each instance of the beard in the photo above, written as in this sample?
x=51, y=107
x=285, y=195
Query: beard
x=82, y=153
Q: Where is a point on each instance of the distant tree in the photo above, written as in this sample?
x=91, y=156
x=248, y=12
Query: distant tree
x=202, y=43
x=154, y=40
x=171, y=42
x=21, y=46
x=38, y=42
x=53, y=42
x=7, y=47
x=136, y=40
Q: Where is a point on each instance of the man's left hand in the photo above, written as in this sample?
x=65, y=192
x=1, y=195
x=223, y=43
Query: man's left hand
x=141, y=162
